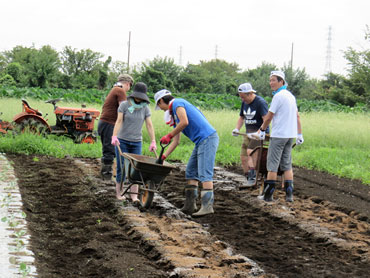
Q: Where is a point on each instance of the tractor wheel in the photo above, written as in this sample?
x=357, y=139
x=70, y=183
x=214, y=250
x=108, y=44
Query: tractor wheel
x=32, y=126
x=86, y=138
x=145, y=196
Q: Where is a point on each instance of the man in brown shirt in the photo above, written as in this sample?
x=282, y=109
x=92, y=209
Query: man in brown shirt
x=108, y=119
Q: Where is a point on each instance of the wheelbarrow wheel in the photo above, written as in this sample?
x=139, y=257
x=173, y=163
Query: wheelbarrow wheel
x=146, y=197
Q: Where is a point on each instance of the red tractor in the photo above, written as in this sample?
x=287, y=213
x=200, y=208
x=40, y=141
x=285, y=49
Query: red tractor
x=77, y=123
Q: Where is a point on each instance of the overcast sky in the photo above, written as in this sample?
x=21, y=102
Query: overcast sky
x=242, y=31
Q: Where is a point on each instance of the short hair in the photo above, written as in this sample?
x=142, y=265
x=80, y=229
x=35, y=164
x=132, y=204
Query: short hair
x=279, y=79
x=167, y=99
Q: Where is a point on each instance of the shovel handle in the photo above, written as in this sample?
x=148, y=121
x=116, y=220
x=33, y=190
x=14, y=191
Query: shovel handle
x=159, y=158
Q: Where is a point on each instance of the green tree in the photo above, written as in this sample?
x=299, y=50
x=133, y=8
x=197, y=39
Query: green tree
x=296, y=79
x=14, y=70
x=194, y=79
x=38, y=68
x=43, y=67
x=81, y=68
x=359, y=71
x=7, y=80
x=158, y=74
x=215, y=77
x=3, y=63
x=115, y=69
x=259, y=78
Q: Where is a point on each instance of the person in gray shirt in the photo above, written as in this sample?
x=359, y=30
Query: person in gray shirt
x=127, y=132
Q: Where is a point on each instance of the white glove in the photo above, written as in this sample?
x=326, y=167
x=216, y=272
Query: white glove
x=262, y=135
x=254, y=136
x=235, y=132
x=299, y=139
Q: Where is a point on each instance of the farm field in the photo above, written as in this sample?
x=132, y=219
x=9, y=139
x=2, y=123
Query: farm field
x=78, y=229
x=335, y=142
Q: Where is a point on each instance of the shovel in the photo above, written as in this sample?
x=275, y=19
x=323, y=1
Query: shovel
x=159, y=158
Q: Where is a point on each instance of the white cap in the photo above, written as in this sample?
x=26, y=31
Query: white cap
x=246, y=88
x=278, y=73
x=160, y=94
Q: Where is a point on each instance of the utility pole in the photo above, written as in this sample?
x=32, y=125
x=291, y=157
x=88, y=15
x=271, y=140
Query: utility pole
x=128, y=55
x=216, y=51
x=328, y=54
x=291, y=58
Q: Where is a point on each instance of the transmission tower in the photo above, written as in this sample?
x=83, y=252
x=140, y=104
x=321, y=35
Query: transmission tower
x=328, y=54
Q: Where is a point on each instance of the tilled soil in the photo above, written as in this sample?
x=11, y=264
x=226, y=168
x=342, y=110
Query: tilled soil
x=78, y=229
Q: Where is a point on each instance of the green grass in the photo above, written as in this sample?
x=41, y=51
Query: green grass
x=337, y=143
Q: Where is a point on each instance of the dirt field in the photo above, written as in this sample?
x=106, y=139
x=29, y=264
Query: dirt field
x=78, y=229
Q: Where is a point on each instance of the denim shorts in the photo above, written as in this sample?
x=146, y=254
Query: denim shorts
x=126, y=147
x=279, y=153
x=202, y=160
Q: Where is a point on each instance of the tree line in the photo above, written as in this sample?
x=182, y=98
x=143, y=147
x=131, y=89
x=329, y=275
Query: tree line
x=87, y=69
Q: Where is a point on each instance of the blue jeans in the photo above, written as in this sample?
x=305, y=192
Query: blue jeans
x=126, y=147
x=202, y=160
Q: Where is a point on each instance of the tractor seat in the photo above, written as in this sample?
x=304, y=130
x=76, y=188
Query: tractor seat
x=29, y=107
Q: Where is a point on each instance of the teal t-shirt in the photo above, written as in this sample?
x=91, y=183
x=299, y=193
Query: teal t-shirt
x=131, y=129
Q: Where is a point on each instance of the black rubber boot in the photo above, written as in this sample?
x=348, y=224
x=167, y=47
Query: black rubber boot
x=106, y=171
x=191, y=195
x=268, y=191
x=288, y=187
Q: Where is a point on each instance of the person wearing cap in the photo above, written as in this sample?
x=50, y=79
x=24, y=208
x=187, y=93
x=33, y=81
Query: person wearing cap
x=286, y=126
x=127, y=133
x=107, y=120
x=252, y=112
x=189, y=120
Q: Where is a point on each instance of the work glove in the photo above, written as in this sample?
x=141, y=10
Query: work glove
x=299, y=140
x=115, y=141
x=153, y=146
x=235, y=132
x=254, y=135
x=166, y=139
x=262, y=135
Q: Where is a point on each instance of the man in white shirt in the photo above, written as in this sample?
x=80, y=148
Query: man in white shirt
x=286, y=125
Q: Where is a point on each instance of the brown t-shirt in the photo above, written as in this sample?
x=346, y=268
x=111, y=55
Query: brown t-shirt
x=111, y=104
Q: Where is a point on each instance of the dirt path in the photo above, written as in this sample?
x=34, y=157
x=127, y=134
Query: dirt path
x=79, y=230
x=309, y=238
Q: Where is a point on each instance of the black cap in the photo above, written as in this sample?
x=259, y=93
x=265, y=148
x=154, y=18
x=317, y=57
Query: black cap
x=140, y=92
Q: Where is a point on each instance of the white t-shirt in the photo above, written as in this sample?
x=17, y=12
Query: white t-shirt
x=284, y=122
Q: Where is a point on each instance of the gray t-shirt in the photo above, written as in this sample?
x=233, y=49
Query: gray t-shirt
x=132, y=122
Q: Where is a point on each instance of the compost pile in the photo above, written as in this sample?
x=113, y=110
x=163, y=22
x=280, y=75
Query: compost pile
x=77, y=231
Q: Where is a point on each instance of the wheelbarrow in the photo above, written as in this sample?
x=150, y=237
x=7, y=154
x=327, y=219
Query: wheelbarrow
x=146, y=172
x=261, y=164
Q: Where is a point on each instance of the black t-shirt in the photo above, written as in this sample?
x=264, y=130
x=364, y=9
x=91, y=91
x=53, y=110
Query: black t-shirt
x=253, y=113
